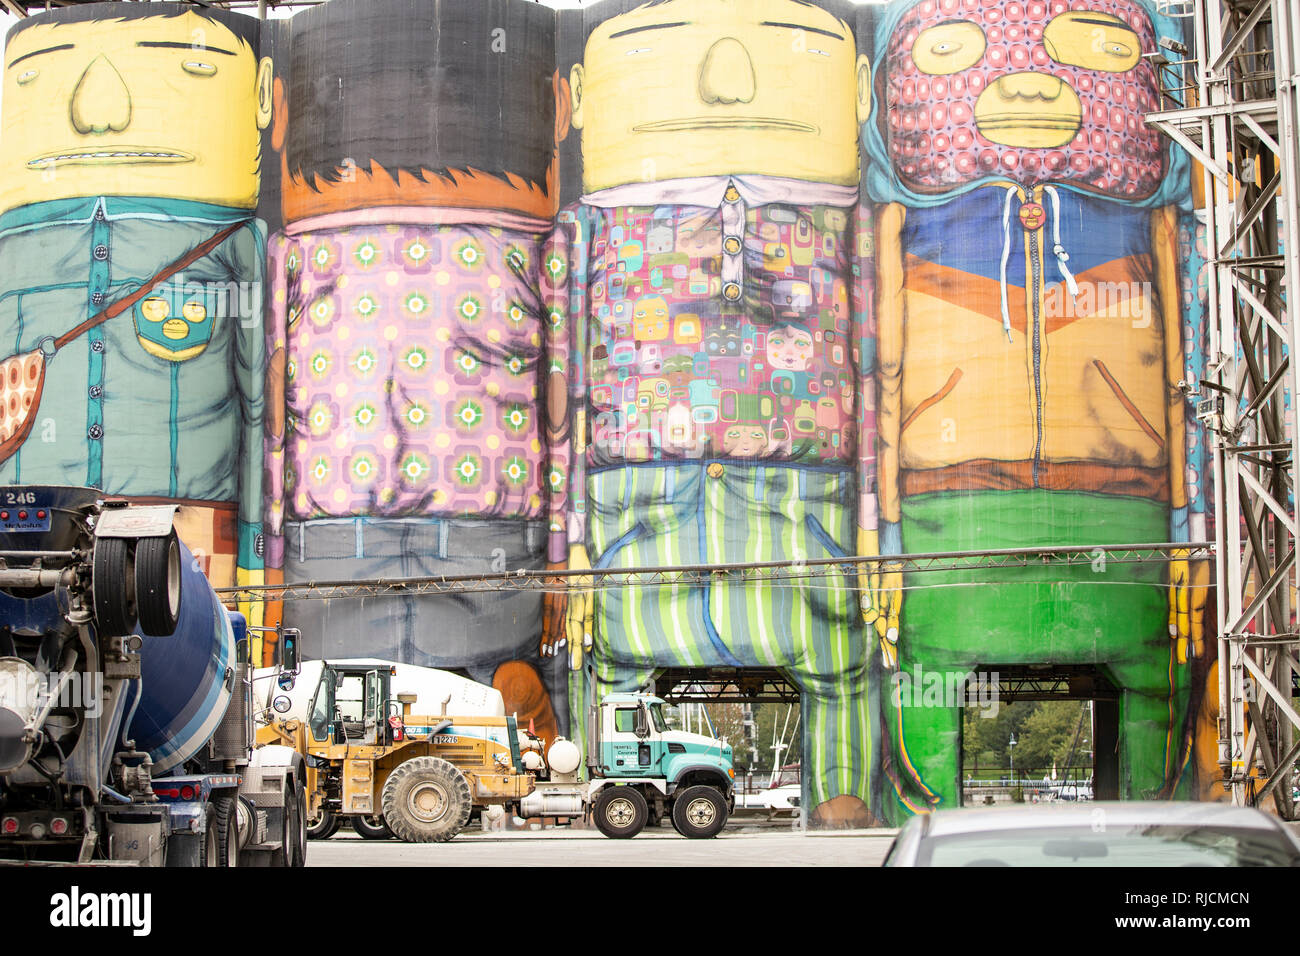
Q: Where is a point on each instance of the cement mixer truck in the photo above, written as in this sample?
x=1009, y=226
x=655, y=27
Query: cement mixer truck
x=126, y=696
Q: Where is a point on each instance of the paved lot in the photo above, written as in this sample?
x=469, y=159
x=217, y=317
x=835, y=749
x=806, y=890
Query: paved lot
x=749, y=846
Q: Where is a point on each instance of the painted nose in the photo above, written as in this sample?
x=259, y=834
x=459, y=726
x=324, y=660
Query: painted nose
x=101, y=102
x=727, y=75
x=1029, y=86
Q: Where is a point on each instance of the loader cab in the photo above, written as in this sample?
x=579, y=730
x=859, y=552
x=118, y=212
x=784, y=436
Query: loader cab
x=351, y=705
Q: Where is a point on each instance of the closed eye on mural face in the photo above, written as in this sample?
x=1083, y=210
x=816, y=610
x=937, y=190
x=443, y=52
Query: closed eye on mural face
x=172, y=45
x=41, y=52
x=799, y=26
x=948, y=47
x=26, y=77
x=1093, y=41
x=651, y=26
x=198, y=68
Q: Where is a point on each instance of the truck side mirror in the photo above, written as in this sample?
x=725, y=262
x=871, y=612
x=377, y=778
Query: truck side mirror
x=289, y=660
x=640, y=725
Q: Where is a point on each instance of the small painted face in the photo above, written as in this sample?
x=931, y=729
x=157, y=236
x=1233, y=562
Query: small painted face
x=1028, y=90
x=700, y=237
x=175, y=323
x=789, y=347
x=713, y=87
x=650, y=318
x=162, y=106
x=744, y=440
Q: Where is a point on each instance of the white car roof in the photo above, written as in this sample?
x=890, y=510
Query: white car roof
x=1116, y=813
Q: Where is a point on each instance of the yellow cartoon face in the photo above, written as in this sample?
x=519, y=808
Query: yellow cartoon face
x=710, y=87
x=650, y=318
x=159, y=106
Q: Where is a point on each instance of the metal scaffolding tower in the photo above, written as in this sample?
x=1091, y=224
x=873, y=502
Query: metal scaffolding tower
x=1230, y=100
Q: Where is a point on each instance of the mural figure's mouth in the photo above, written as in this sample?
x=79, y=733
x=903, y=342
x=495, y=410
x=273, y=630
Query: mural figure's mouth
x=724, y=122
x=109, y=156
x=1028, y=110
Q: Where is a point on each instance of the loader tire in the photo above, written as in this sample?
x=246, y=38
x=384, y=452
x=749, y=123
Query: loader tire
x=158, y=584
x=370, y=828
x=324, y=826
x=113, y=588
x=426, y=800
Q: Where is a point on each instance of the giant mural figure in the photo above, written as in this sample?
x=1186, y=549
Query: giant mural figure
x=129, y=163
x=417, y=150
x=1031, y=344
x=715, y=336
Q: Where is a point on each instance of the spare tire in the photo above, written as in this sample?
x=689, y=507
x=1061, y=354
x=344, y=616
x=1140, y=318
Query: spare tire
x=113, y=587
x=158, y=584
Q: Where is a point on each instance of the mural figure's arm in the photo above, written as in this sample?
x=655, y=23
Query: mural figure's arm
x=566, y=262
x=1187, y=585
x=250, y=374
x=274, y=437
x=555, y=383
x=888, y=594
x=862, y=300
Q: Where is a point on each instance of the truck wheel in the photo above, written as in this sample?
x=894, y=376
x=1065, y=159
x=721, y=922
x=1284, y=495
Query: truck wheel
x=158, y=584
x=211, y=854
x=226, y=820
x=426, y=800
x=113, y=588
x=620, y=812
x=299, y=828
x=324, y=826
x=288, y=826
x=371, y=828
x=699, y=812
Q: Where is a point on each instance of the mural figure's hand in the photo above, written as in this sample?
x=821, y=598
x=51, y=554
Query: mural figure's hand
x=890, y=602
x=554, y=605
x=882, y=596
x=1180, y=623
x=581, y=606
x=1199, y=593
x=1189, y=586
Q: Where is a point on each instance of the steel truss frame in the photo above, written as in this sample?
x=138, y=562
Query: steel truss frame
x=1232, y=105
x=810, y=570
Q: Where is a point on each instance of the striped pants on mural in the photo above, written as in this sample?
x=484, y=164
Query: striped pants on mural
x=729, y=511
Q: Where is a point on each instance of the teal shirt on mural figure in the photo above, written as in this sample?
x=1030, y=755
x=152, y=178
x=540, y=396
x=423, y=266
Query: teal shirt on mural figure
x=165, y=399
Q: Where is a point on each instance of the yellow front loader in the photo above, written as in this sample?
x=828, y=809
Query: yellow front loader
x=420, y=776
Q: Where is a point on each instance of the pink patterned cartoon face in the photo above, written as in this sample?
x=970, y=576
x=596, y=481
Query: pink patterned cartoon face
x=1032, y=91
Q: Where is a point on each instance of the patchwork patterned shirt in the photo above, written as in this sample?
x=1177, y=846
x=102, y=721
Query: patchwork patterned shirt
x=715, y=318
x=411, y=360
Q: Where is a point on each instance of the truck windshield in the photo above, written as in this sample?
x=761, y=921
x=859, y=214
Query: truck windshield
x=657, y=715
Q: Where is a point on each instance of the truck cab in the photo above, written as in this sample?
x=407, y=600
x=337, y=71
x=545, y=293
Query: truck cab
x=642, y=770
x=636, y=741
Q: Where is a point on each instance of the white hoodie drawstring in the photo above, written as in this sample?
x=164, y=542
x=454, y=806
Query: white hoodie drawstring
x=1062, y=257
x=1006, y=254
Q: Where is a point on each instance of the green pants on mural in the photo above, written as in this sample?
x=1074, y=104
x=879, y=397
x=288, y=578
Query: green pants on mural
x=1105, y=613
x=719, y=512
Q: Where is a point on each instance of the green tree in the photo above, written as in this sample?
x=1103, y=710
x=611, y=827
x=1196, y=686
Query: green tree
x=1049, y=734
